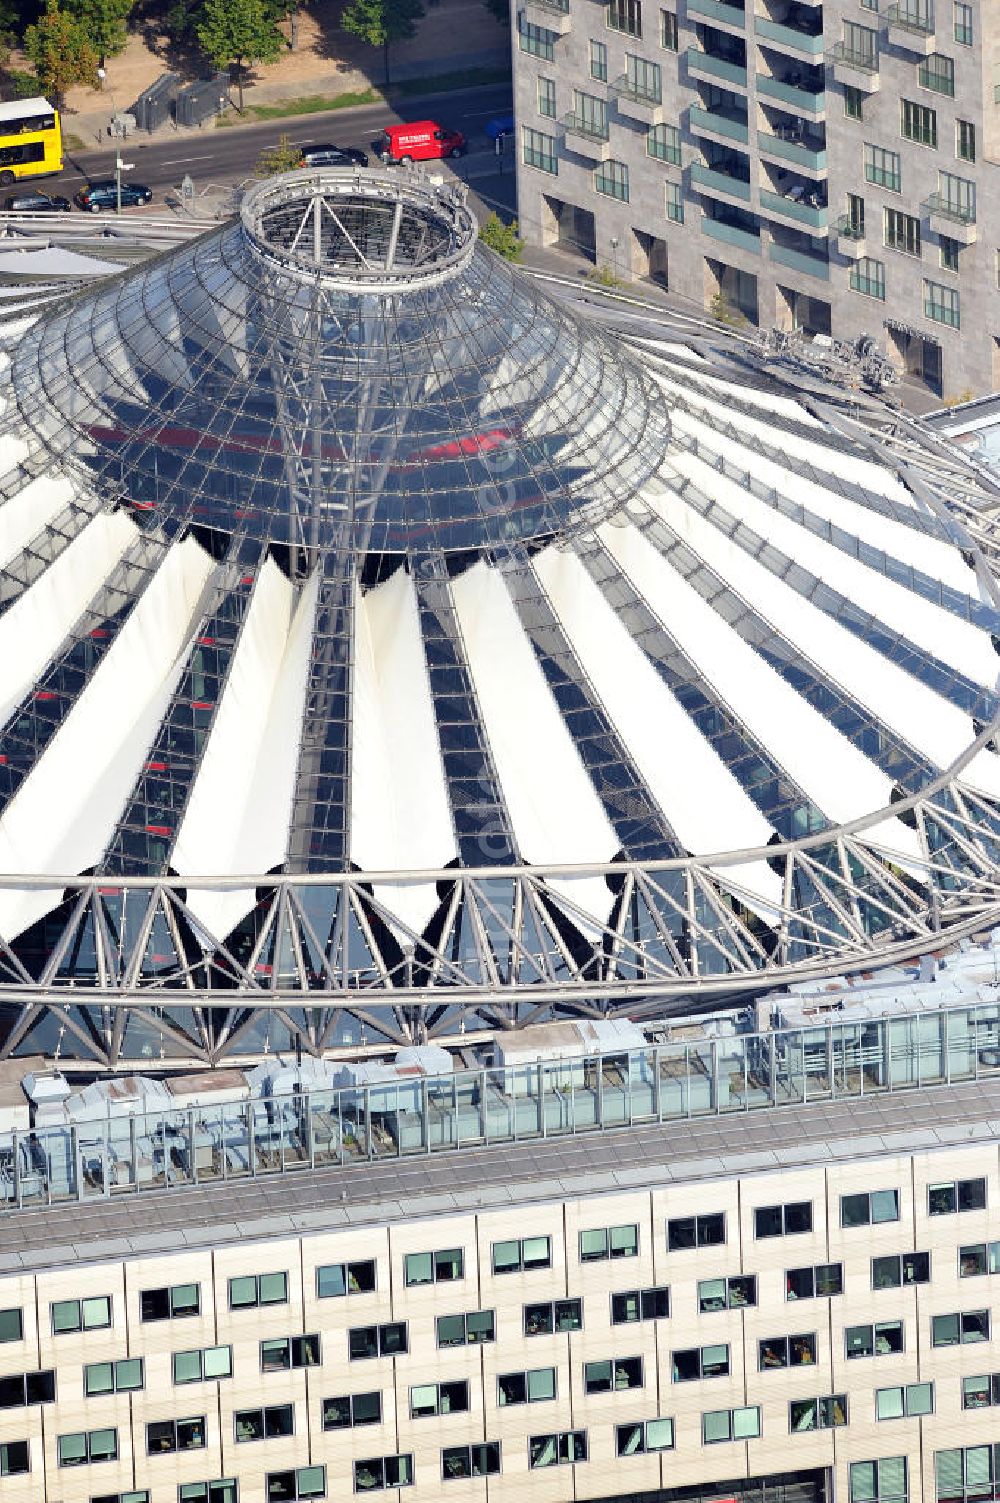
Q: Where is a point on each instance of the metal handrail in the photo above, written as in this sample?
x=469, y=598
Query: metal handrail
x=867, y=62
x=948, y=209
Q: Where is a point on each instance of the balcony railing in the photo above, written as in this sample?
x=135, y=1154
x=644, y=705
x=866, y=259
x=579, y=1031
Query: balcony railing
x=849, y=228
x=639, y=93
x=554, y=7
x=729, y=15
x=731, y=234
x=796, y=260
x=801, y=153
x=803, y=98
x=862, y=60
x=716, y=67
x=722, y=125
x=949, y=209
x=719, y=182
x=808, y=214
x=581, y=125
x=919, y=22
x=789, y=36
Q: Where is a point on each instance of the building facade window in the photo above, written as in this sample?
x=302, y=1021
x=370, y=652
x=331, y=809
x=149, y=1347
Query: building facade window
x=673, y=195
x=289, y=1352
x=202, y=1364
x=938, y=73
x=643, y=79
x=783, y=1221
x=538, y=150
x=81, y=1314
x=269, y=1423
x=336, y=1280
x=599, y=61
x=854, y=102
x=612, y=1374
x=978, y=1258
x=696, y=1362
x=352, y=1409
x=786, y=1351
x=878, y=1481
x=882, y=1339
x=165, y=1436
x=536, y=40
x=942, y=304
x=949, y=251
x=664, y=143
x=176, y=1302
x=87, y=1447
x=904, y=1402
x=918, y=122
x=535, y=1386
x=873, y=1207
x=444, y=1267
x=14, y=1458
x=561, y=1449
x=124, y=1376
x=734, y=1293
x=389, y=1340
x=300, y=1482
x=481, y=1460
x=959, y=1194
x=644, y=1436
x=960, y=1330
x=466, y=1330
x=11, y=1325
x=696, y=1231
x=956, y=196
x=963, y=29
x=610, y=1241
x=522, y=1255
x=981, y=1393
x=901, y=231
x=439, y=1398
x=553, y=1316
x=668, y=30
x=827, y=1413
x=965, y=140
x=898, y=1269
x=730, y=1424
x=632, y=1305
x=882, y=167
x=19, y=1390
x=257, y=1289
x=224, y=1490
x=965, y=1474
x=626, y=16
x=818, y=1282
x=590, y=115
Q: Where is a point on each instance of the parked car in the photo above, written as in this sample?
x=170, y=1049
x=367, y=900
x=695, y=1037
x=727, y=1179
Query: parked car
x=103, y=194
x=500, y=125
x=37, y=203
x=423, y=141
x=333, y=156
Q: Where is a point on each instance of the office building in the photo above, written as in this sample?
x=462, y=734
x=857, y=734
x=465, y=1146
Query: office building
x=825, y=167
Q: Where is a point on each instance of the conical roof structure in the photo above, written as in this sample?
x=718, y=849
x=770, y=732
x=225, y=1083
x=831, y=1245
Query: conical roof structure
x=381, y=645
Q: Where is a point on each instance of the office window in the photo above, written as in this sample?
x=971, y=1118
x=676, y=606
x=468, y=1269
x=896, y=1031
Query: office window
x=964, y=1475
x=643, y=79
x=382, y=1471
x=981, y=1393
x=783, y=1221
x=81, y=1314
x=644, y=1436
x=124, y=1376
x=443, y=1267
x=827, y=1413
x=163, y=1436
x=965, y=140
x=948, y=253
x=303, y=1482
x=937, y=73
x=351, y=1410
x=868, y=277
x=856, y=215
x=202, y=1364
x=626, y=16
x=553, y=1317
x=918, y=122
x=547, y=97
x=85, y=1447
x=20, y=1389
x=882, y=167
x=264, y=1424
x=334, y=1280
x=786, y=1351
x=466, y=1330
x=901, y=1268
x=664, y=143
x=901, y=231
x=640, y=1304
x=609, y=1241
x=439, y=1398
x=523, y=1255
x=960, y=1330
x=377, y=1341
x=875, y=1206
x=225, y=1490
x=700, y=1362
x=904, y=1402
x=173, y=1303
x=611, y=179
x=978, y=1258
x=963, y=23
x=878, y=1481
x=727, y=1294
x=536, y=1386
x=258, y=1289
x=942, y=304
x=482, y=1460
x=959, y=1194
x=14, y=1458
x=140, y=1496
x=11, y=1325
x=538, y=150
x=696, y=1231
x=957, y=196
x=557, y=1450
x=673, y=195
x=882, y=1339
x=536, y=40
x=730, y=1424
x=860, y=44
x=612, y=1375
x=668, y=30
x=288, y=1352
x=854, y=102
x=599, y=61
x=818, y=1282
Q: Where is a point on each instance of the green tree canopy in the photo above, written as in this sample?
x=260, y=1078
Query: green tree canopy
x=380, y=23
x=284, y=157
x=61, y=51
x=104, y=22
x=240, y=32
x=502, y=238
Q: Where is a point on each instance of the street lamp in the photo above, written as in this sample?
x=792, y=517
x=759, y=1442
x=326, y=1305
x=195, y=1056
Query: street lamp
x=120, y=167
x=614, y=256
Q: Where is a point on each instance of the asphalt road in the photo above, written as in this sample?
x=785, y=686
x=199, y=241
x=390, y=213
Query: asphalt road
x=222, y=156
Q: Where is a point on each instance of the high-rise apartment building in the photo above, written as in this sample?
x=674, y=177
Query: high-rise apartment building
x=817, y=166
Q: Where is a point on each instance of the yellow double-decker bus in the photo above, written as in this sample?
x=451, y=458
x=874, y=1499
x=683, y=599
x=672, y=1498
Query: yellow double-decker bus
x=30, y=140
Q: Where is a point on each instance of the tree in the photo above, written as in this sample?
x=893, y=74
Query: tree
x=284, y=157
x=104, y=22
x=380, y=23
x=240, y=32
x=502, y=238
x=61, y=50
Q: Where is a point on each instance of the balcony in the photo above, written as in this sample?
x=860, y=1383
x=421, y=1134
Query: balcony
x=550, y=14
x=586, y=138
x=802, y=155
x=792, y=211
x=730, y=234
x=850, y=239
x=911, y=30
x=720, y=184
x=722, y=15
x=956, y=221
x=715, y=69
x=796, y=260
x=857, y=69
x=788, y=39
x=637, y=102
x=711, y=123
x=800, y=99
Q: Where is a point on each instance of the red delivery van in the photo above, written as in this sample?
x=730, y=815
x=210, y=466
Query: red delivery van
x=423, y=141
